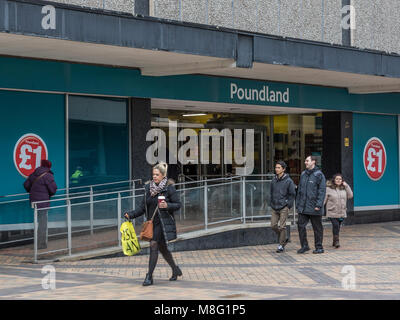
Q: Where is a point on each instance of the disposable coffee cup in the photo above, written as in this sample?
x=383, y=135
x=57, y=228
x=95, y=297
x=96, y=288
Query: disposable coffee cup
x=160, y=198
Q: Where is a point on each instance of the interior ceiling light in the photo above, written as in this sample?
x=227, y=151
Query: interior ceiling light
x=194, y=114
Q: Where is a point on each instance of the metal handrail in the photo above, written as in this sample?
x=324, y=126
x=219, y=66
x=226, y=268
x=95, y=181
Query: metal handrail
x=246, y=208
x=73, y=188
x=63, y=195
x=82, y=197
x=116, y=220
x=74, y=197
x=34, y=204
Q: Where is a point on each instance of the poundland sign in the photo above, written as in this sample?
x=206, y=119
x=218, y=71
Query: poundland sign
x=264, y=94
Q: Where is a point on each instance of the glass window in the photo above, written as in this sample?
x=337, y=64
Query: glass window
x=296, y=137
x=98, y=140
x=219, y=121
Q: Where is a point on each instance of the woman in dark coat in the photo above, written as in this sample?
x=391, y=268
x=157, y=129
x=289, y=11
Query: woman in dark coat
x=41, y=186
x=164, y=228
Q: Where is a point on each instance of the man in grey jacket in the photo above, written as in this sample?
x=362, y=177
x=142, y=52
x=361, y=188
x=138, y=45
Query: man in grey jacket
x=310, y=204
x=283, y=192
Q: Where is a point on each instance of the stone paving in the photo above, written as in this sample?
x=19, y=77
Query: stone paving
x=253, y=272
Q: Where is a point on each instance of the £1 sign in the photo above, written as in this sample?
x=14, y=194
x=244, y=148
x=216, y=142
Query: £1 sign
x=29, y=150
x=374, y=158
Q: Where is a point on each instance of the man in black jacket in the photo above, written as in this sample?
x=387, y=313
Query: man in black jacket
x=283, y=192
x=310, y=204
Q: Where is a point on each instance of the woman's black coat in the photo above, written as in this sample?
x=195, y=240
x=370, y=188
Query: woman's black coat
x=164, y=228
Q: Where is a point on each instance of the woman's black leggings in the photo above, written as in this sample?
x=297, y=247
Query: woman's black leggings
x=336, y=225
x=162, y=247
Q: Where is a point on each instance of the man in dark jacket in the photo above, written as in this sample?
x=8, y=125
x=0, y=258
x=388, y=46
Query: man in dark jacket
x=310, y=204
x=41, y=186
x=283, y=192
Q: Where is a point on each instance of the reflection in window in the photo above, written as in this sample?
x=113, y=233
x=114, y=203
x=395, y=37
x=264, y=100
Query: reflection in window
x=98, y=140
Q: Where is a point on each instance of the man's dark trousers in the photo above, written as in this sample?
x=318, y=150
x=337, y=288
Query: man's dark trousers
x=316, y=221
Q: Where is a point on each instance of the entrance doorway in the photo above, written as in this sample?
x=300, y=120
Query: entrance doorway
x=222, y=124
x=288, y=137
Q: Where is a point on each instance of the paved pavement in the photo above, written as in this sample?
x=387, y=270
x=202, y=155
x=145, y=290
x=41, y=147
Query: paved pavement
x=370, y=252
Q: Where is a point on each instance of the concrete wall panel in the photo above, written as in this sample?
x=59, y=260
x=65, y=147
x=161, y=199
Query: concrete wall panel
x=377, y=21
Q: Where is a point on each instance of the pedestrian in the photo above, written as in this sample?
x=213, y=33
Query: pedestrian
x=337, y=194
x=41, y=186
x=164, y=228
x=283, y=192
x=310, y=204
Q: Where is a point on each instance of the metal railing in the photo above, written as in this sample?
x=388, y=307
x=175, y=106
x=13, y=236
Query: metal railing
x=74, y=227
x=17, y=211
x=64, y=192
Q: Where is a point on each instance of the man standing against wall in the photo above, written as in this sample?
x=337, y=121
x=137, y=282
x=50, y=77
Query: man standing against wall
x=283, y=192
x=310, y=204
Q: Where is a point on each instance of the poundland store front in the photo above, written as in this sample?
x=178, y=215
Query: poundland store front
x=100, y=135
x=91, y=107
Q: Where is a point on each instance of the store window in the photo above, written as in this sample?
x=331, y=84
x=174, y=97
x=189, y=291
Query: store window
x=219, y=121
x=295, y=137
x=98, y=140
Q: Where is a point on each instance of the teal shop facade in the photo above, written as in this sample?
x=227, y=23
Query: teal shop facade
x=87, y=89
x=37, y=97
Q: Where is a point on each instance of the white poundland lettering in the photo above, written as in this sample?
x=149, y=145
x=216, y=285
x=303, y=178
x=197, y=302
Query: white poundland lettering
x=264, y=94
x=165, y=310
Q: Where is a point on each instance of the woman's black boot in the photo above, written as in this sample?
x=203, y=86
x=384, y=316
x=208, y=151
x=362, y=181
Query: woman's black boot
x=176, y=273
x=148, y=281
x=336, y=241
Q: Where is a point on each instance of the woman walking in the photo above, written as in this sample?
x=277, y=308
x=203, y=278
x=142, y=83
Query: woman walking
x=337, y=194
x=164, y=228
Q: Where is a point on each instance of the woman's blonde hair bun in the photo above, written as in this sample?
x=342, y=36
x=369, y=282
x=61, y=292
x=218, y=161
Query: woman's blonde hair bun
x=162, y=167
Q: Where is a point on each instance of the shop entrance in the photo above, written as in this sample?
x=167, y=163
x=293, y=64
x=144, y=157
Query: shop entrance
x=289, y=137
x=260, y=155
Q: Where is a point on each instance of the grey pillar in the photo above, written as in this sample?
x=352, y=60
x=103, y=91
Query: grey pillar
x=142, y=7
x=346, y=33
x=141, y=124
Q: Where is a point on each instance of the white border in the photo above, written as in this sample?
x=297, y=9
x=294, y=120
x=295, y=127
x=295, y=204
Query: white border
x=384, y=149
x=15, y=150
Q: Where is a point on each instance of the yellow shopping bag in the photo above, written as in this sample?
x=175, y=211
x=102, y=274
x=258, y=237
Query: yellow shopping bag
x=130, y=243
